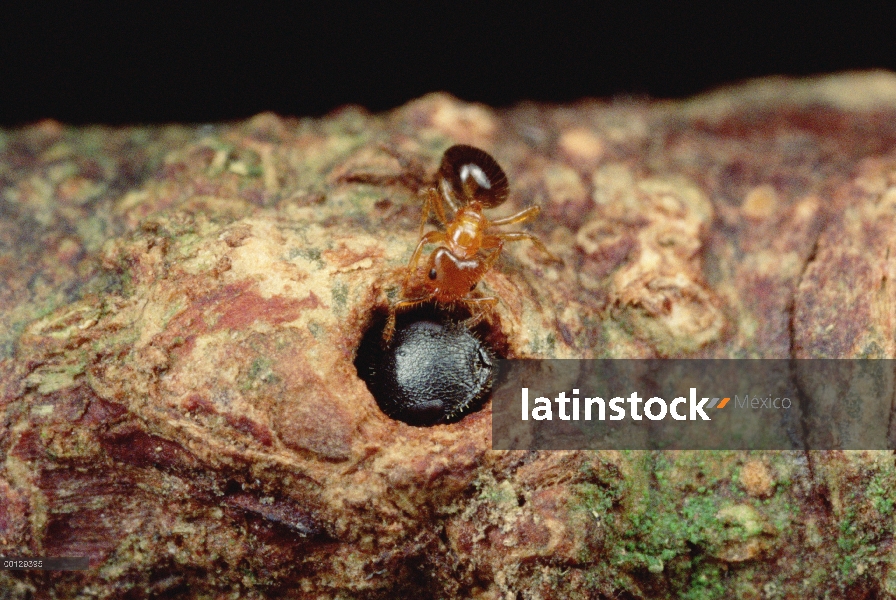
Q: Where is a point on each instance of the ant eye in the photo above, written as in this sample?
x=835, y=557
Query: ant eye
x=472, y=287
x=432, y=274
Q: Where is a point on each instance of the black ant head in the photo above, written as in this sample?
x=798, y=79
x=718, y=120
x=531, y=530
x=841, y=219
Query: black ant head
x=433, y=372
x=472, y=175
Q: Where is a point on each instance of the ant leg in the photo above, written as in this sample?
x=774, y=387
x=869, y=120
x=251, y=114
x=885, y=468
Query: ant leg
x=520, y=217
x=516, y=236
x=431, y=237
x=474, y=305
x=389, y=330
x=432, y=200
x=437, y=206
x=425, y=216
x=447, y=194
x=489, y=261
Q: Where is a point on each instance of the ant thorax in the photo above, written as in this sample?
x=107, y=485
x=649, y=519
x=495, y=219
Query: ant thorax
x=464, y=234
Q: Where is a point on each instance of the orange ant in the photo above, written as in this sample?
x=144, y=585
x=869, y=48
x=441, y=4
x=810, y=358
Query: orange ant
x=469, y=180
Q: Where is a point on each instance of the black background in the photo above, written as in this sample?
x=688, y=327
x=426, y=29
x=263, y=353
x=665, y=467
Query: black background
x=216, y=62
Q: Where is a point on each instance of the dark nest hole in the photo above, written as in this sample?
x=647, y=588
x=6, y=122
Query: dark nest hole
x=435, y=369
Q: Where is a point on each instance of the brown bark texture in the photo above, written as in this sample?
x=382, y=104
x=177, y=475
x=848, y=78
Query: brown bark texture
x=181, y=306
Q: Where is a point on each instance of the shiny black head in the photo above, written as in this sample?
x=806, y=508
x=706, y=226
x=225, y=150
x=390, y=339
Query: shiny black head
x=431, y=373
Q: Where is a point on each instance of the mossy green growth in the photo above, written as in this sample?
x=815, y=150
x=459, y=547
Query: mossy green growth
x=58, y=377
x=501, y=494
x=546, y=347
x=339, y=293
x=259, y=372
x=672, y=520
x=864, y=526
x=706, y=583
x=880, y=490
x=857, y=547
x=310, y=254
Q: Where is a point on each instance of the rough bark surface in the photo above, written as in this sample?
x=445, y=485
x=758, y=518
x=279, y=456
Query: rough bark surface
x=181, y=307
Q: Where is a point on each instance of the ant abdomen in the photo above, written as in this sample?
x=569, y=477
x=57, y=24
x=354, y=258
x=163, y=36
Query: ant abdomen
x=468, y=174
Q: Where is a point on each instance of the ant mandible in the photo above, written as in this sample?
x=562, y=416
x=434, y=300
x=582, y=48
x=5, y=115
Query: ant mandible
x=469, y=181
